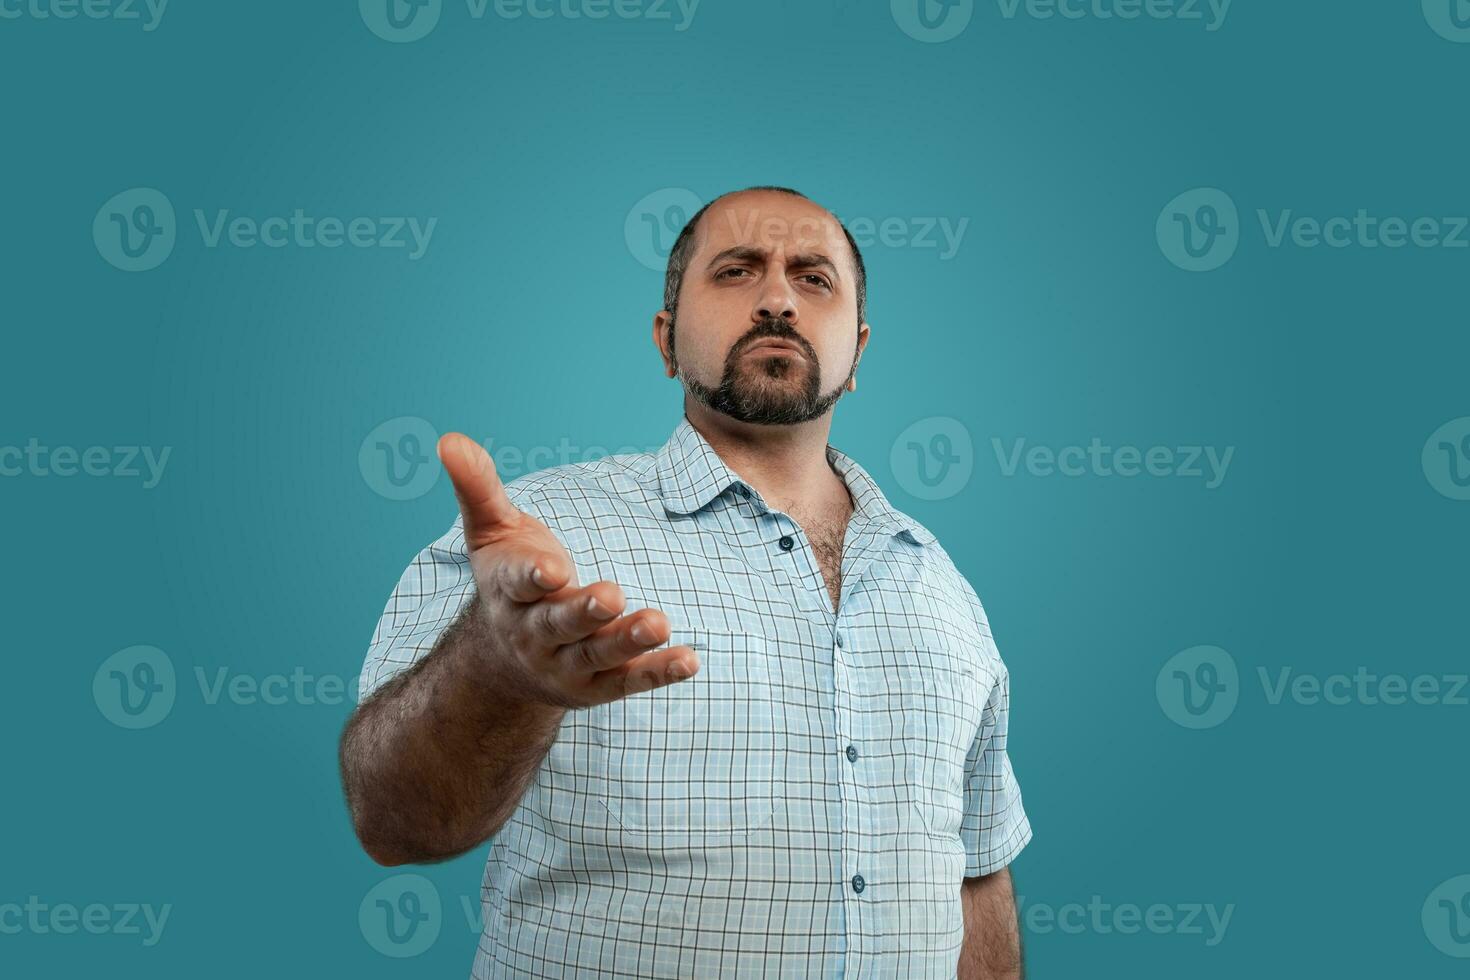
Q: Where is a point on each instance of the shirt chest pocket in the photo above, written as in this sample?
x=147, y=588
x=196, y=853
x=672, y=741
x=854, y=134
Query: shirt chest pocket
x=696, y=757
x=942, y=710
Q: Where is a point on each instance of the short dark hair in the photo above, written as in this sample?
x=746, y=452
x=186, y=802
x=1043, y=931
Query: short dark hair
x=683, y=251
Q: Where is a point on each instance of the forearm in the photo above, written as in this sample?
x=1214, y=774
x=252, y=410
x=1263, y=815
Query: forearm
x=992, y=946
x=437, y=760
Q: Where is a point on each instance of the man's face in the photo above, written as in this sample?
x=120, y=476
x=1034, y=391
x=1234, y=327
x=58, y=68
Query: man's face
x=767, y=327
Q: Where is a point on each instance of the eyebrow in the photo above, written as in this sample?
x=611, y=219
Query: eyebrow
x=749, y=253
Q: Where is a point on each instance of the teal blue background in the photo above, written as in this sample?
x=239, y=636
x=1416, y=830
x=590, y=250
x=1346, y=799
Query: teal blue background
x=264, y=549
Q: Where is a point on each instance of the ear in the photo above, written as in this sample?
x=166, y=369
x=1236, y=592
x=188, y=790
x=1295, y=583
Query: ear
x=864, y=332
x=661, y=321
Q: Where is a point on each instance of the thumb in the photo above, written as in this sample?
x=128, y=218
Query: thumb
x=482, y=499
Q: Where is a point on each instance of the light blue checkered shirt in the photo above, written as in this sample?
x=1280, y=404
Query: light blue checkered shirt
x=804, y=806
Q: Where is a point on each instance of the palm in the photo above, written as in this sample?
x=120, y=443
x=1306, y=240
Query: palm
x=570, y=640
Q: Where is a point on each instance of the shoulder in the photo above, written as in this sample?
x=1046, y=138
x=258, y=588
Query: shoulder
x=965, y=598
x=581, y=491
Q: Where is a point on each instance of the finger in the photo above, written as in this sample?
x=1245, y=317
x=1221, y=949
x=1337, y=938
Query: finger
x=572, y=614
x=482, y=499
x=525, y=573
x=617, y=642
x=657, y=669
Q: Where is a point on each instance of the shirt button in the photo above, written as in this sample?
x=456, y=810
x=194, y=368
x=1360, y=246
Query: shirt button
x=852, y=753
x=858, y=884
x=786, y=542
x=839, y=641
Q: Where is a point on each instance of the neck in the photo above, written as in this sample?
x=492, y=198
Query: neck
x=786, y=464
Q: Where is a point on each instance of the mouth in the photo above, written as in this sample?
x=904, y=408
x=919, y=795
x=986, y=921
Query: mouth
x=766, y=347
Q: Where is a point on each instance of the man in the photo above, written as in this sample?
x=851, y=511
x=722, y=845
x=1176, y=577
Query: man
x=790, y=760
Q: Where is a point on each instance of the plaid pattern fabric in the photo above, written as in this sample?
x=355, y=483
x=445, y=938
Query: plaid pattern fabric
x=806, y=804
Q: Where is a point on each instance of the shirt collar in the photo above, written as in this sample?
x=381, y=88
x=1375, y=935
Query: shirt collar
x=691, y=474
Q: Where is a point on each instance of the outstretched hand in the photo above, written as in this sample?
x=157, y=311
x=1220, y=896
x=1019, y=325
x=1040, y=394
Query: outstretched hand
x=570, y=641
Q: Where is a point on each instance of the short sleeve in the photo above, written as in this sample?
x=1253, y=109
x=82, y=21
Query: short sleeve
x=995, y=827
x=428, y=597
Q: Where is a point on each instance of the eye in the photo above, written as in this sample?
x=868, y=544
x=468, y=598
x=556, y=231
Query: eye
x=820, y=280
x=727, y=273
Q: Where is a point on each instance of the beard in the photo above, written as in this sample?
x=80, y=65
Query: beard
x=769, y=390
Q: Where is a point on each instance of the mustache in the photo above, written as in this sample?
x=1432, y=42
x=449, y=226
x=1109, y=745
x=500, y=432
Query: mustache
x=773, y=328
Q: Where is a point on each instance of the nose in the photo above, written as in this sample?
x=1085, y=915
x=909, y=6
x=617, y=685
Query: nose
x=776, y=299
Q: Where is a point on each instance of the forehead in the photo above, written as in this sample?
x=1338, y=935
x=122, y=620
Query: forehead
x=770, y=220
